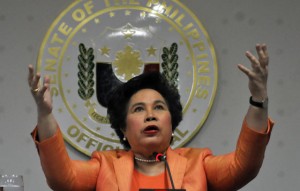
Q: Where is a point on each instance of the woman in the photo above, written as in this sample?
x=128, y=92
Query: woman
x=150, y=111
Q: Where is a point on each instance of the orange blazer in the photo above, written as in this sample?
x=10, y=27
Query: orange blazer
x=192, y=169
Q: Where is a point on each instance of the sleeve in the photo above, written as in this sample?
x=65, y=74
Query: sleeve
x=234, y=170
x=62, y=173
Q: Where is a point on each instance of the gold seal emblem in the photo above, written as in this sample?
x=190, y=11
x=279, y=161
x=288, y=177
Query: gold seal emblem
x=93, y=45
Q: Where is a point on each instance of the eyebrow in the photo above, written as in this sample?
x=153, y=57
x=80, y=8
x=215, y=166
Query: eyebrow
x=155, y=102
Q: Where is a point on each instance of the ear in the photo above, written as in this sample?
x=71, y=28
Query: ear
x=123, y=130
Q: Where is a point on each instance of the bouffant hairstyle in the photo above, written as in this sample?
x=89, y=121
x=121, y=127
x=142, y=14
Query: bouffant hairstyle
x=119, y=99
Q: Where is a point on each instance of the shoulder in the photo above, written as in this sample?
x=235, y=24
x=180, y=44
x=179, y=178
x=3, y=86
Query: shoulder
x=110, y=154
x=193, y=152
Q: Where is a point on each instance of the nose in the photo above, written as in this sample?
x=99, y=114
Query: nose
x=148, y=119
x=150, y=116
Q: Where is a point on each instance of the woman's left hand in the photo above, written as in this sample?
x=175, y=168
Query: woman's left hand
x=258, y=74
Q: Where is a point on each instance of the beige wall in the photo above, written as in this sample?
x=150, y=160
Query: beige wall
x=234, y=27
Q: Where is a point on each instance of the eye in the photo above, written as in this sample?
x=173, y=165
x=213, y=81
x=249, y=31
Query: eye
x=159, y=107
x=138, y=109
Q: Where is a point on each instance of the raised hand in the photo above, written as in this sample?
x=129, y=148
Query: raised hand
x=40, y=92
x=256, y=117
x=258, y=74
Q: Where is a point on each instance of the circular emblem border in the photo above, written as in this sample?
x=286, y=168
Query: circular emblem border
x=56, y=52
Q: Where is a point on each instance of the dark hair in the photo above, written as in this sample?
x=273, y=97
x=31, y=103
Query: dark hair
x=120, y=96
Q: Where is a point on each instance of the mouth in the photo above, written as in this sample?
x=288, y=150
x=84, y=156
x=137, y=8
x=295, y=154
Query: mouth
x=151, y=130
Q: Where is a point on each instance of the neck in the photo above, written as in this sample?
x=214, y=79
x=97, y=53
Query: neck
x=147, y=153
x=147, y=164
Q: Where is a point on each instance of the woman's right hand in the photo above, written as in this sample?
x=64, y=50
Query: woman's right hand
x=40, y=91
x=42, y=96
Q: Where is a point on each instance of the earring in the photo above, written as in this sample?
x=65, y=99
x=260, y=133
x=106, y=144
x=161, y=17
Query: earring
x=173, y=135
x=124, y=139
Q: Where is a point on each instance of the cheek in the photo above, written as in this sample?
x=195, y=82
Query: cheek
x=167, y=120
x=132, y=123
x=167, y=123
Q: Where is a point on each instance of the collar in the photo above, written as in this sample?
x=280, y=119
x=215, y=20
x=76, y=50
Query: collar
x=124, y=166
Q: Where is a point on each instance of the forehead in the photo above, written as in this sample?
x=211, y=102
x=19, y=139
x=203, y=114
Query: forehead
x=145, y=95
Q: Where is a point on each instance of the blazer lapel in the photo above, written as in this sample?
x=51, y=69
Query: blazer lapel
x=177, y=165
x=123, y=166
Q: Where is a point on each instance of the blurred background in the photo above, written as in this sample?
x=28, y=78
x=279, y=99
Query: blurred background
x=234, y=27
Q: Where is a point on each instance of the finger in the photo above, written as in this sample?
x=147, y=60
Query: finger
x=30, y=74
x=262, y=46
x=254, y=62
x=43, y=90
x=46, y=83
x=33, y=80
x=245, y=70
x=45, y=80
x=35, y=83
x=265, y=50
x=262, y=54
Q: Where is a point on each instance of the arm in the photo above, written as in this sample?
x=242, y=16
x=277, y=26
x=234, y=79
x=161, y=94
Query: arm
x=61, y=172
x=236, y=169
x=257, y=117
x=46, y=123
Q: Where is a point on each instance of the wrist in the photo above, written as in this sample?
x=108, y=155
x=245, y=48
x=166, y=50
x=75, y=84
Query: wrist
x=261, y=102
